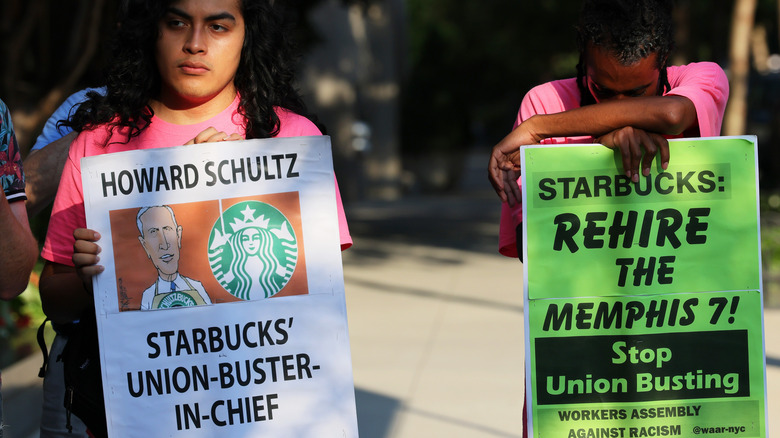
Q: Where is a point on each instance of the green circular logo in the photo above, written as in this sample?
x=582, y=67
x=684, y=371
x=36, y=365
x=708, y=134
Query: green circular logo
x=176, y=299
x=252, y=250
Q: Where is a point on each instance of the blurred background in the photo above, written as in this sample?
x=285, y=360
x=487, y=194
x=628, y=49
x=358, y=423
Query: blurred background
x=409, y=90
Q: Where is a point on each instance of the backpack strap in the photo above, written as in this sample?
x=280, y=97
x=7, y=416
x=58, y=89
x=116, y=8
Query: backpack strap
x=42, y=345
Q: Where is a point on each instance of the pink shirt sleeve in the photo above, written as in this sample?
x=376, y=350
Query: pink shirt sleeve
x=294, y=125
x=68, y=211
x=707, y=86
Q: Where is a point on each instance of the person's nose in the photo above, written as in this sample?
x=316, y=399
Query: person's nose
x=164, y=243
x=196, y=42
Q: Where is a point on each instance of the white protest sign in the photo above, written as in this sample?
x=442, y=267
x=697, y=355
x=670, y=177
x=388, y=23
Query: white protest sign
x=236, y=248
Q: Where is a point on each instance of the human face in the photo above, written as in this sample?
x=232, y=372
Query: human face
x=250, y=241
x=161, y=240
x=198, y=51
x=609, y=79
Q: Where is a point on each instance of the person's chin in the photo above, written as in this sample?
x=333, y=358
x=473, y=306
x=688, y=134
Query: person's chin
x=168, y=268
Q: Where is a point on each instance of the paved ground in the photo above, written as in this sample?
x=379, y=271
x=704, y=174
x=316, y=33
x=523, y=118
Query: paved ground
x=436, y=324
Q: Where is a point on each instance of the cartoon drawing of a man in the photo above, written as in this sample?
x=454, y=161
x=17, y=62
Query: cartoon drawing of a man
x=161, y=239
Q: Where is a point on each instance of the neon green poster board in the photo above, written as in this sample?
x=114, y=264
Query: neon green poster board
x=644, y=300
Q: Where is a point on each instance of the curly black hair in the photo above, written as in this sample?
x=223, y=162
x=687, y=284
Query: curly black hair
x=264, y=79
x=628, y=29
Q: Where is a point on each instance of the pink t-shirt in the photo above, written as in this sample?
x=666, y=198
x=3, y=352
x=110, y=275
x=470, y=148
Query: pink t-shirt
x=703, y=83
x=68, y=210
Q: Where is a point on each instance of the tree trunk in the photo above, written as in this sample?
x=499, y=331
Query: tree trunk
x=739, y=66
x=82, y=43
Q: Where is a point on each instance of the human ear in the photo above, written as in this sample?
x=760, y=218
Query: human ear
x=143, y=245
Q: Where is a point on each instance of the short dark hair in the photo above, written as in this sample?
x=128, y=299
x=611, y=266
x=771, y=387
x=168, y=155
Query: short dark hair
x=264, y=79
x=630, y=30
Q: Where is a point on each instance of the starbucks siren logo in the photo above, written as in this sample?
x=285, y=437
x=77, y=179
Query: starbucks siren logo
x=252, y=250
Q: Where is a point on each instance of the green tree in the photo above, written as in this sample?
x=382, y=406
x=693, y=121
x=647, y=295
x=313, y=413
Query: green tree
x=470, y=64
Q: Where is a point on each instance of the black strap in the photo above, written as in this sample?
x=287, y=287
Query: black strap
x=44, y=350
x=519, y=241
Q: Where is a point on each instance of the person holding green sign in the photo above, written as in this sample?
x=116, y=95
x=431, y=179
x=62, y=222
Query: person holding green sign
x=625, y=96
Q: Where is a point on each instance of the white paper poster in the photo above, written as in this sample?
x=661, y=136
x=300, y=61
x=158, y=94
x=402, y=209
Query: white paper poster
x=221, y=309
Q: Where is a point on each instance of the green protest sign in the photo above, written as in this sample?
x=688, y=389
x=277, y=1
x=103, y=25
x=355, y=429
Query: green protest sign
x=644, y=300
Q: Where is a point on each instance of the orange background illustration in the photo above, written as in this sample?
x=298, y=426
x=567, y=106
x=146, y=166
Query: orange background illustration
x=135, y=272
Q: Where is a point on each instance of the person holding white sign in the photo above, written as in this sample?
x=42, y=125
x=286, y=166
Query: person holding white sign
x=183, y=72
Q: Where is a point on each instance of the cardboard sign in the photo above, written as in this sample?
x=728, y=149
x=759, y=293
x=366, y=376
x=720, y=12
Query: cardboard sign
x=644, y=309
x=221, y=309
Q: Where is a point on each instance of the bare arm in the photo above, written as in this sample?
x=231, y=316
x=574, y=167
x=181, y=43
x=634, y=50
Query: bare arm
x=63, y=295
x=667, y=115
x=632, y=125
x=66, y=291
x=18, y=246
x=43, y=169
